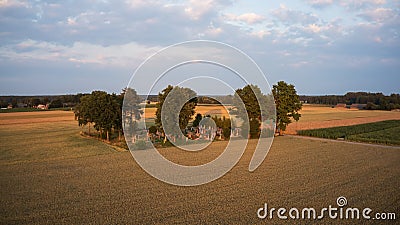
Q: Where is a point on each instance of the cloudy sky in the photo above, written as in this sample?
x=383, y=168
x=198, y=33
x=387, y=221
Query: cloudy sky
x=321, y=46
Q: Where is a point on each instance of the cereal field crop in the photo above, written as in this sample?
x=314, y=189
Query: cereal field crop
x=52, y=175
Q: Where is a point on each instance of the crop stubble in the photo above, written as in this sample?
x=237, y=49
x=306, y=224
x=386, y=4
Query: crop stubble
x=97, y=185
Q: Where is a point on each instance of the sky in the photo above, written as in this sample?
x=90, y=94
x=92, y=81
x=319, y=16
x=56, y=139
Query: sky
x=321, y=46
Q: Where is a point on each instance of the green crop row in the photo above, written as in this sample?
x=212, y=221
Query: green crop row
x=387, y=136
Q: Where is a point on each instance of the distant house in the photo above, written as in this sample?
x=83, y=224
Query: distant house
x=40, y=106
x=340, y=105
x=358, y=106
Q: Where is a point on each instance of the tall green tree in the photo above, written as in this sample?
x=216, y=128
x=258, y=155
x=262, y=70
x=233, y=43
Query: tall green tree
x=102, y=112
x=171, y=103
x=224, y=124
x=197, y=120
x=117, y=105
x=250, y=95
x=131, y=111
x=84, y=111
x=131, y=102
x=287, y=104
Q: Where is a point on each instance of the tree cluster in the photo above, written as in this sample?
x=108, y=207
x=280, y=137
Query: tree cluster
x=103, y=111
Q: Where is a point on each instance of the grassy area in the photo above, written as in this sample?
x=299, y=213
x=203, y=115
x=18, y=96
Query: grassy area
x=386, y=132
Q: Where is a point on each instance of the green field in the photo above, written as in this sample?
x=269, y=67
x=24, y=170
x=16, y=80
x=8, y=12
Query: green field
x=385, y=132
x=49, y=174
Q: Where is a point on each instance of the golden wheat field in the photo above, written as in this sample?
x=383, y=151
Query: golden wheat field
x=202, y=109
x=52, y=175
x=323, y=116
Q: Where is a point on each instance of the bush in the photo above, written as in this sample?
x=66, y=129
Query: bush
x=153, y=129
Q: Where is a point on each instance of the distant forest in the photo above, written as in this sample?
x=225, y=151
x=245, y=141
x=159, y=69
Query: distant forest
x=370, y=101
x=54, y=101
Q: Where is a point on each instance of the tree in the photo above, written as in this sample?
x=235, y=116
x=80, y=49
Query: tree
x=108, y=113
x=101, y=112
x=170, y=99
x=84, y=111
x=250, y=95
x=131, y=111
x=131, y=102
x=56, y=103
x=287, y=104
x=197, y=120
x=35, y=102
x=117, y=102
x=224, y=124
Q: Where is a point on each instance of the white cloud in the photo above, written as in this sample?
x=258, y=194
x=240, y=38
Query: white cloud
x=124, y=55
x=13, y=3
x=196, y=9
x=378, y=15
x=361, y=4
x=261, y=33
x=348, y=4
x=290, y=16
x=314, y=28
x=249, y=18
x=142, y=3
x=320, y=3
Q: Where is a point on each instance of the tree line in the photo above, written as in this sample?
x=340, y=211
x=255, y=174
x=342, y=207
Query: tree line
x=371, y=100
x=54, y=101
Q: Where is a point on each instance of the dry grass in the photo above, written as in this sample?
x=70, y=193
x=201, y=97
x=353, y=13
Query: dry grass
x=41, y=136
x=54, y=176
x=35, y=117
